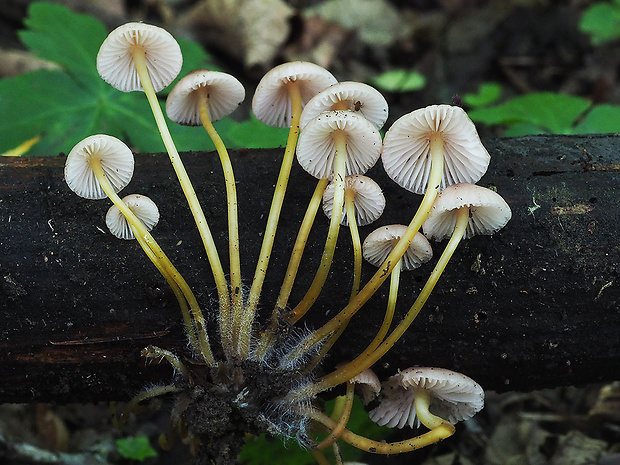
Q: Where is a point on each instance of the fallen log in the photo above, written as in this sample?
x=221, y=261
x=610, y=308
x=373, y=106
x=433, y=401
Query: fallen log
x=536, y=305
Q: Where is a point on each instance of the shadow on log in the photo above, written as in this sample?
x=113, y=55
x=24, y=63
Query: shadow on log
x=537, y=305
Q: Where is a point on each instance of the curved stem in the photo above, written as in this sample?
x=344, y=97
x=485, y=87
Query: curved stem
x=272, y=222
x=340, y=159
x=342, y=420
x=158, y=352
x=349, y=197
x=379, y=277
x=144, y=395
x=422, y=403
x=293, y=267
x=225, y=319
x=369, y=357
x=443, y=431
x=160, y=256
x=186, y=185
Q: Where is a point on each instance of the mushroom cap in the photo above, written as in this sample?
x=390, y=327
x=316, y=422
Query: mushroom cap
x=368, y=199
x=316, y=148
x=359, y=97
x=116, y=160
x=368, y=384
x=225, y=94
x=454, y=396
x=144, y=209
x=488, y=211
x=271, y=103
x=381, y=241
x=406, y=151
x=115, y=61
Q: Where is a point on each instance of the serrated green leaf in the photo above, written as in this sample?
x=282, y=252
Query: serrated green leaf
x=400, y=80
x=70, y=39
x=556, y=113
x=602, y=119
x=488, y=93
x=602, y=22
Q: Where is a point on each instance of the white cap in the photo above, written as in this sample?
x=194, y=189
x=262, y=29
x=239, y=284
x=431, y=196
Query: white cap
x=144, y=209
x=368, y=199
x=116, y=160
x=316, y=148
x=381, y=242
x=271, y=103
x=162, y=52
x=225, y=94
x=406, y=148
x=488, y=211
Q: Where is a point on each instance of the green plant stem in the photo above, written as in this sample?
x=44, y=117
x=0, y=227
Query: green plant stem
x=349, y=197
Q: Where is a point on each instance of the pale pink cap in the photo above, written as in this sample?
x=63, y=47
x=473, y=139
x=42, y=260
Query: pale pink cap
x=380, y=243
x=368, y=199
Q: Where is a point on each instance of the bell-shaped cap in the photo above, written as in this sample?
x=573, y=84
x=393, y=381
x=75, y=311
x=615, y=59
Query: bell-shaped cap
x=145, y=210
x=367, y=385
x=354, y=96
x=380, y=243
x=225, y=93
x=406, y=152
x=271, y=103
x=116, y=160
x=368, y=199
x=454, y=396
x=115, y=60
x=316, y=147
x=488, y=212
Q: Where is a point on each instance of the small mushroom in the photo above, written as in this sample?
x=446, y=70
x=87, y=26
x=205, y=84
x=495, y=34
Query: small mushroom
x=431, y=396
x=145, y=210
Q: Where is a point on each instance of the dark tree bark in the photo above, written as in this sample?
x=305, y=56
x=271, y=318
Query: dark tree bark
x=536, y=305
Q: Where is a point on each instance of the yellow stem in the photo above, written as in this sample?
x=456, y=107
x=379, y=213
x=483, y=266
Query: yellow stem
x=443, y=431
x=379, y=277
x=272, y=222
x=139, y=228
x=319, y=457
x=342, y=420
x=157, y=352
x=349, y=197
x=226, y=325
x=422, y=403
x=186, y=185
x=340, y=142
x=368, y=357
x=293, y=267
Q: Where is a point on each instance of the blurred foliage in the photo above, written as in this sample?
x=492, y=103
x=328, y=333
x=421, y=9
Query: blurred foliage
x=601, y=21
x=488, y=93
x=63, y=106
x=548, y=112
x=135, y=448
x=399, y=80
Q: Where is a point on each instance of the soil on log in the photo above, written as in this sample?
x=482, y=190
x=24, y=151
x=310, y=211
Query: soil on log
x=536, y=305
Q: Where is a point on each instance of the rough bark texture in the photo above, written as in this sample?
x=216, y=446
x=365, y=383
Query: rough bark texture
x=536, y=305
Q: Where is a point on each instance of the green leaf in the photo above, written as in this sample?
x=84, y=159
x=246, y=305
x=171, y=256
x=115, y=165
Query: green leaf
x=488, y=93
x=601, y=119
x=400, y=80
x=602, y=22
x=70, y=39
x=253, y=134
x=555, y=113
x=135, y=448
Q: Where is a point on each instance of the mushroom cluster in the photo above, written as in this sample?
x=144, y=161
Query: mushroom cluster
x=334, y=135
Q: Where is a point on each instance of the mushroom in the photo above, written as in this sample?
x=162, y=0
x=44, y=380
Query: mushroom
x=431, y=396
x=138, y=56
x=145, y=210
x=278, y=101
x=101, y=166
x=364, y=203
x=348, y=95
x=437, y=135
x=333, y=145
x=202, y=97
